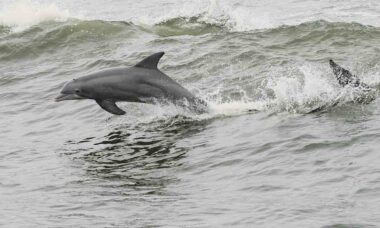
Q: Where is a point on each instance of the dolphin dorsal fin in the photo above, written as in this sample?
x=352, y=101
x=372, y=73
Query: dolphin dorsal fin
x=344, y=76
x=150, y=62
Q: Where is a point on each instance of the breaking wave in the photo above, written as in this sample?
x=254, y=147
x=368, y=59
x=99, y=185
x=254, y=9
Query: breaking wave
x=196, y=17
x=23, y=14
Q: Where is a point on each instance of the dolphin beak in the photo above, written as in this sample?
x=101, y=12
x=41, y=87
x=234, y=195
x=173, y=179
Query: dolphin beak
x=64, y=97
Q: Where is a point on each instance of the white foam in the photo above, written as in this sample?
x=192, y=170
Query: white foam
x=297, y=90
x=251, y=15
x=302, y=91
x=22, y=14
x=237, y=15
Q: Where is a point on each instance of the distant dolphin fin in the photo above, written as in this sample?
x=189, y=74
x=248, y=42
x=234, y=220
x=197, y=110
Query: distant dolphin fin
x=343, y=76
x=110, y=107
x=151, y=61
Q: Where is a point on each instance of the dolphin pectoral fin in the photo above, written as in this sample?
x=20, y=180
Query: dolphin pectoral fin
x=110, y=107
x=150, y=62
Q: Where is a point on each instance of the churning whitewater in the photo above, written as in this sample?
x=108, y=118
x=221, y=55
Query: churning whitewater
x=285, y=142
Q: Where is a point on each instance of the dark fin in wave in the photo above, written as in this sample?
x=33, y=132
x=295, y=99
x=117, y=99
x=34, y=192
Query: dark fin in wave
x=151, y=61
x=110, y=107
x=345, y=77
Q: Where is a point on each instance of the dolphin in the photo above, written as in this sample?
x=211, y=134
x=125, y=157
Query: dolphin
x=143, y=83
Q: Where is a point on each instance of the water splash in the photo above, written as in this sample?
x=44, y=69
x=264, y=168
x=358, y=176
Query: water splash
x=23, y=14
x=304, y=89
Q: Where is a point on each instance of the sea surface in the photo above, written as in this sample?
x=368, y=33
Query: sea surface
x=258, y=159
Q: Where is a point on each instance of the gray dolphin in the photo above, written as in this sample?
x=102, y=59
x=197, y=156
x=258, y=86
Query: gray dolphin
x=143, y=83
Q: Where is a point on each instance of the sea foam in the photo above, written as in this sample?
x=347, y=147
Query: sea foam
x=24, y=13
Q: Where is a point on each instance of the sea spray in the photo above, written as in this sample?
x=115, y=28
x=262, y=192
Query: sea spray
x=22, y=14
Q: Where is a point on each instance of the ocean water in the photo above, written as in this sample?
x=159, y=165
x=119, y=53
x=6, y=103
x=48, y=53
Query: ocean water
x=258, y=159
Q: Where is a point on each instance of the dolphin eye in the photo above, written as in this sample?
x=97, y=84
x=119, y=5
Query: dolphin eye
x=77, y=91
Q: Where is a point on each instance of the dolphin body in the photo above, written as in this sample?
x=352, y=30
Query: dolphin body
x=143, y=83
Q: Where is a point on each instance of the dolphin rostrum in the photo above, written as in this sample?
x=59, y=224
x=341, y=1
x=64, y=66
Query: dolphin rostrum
x=143, y=83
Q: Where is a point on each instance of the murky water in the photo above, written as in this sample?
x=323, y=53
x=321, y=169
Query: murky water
x=257, y=160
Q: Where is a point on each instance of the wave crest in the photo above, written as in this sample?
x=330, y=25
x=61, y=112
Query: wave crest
x=24, y=13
